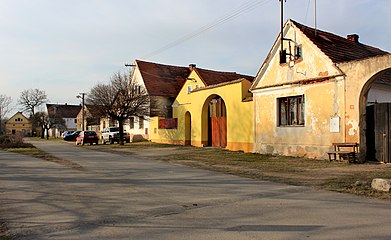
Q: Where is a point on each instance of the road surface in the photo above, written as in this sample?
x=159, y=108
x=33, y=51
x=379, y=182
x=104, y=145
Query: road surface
x=126, y=196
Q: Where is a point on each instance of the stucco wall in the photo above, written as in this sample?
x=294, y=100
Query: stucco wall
x=13, y=125
x=314, y=138
x=322, y=84
x=239, y=115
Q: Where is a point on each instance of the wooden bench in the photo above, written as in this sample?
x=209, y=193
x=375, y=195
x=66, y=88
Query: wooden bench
x=346, y=151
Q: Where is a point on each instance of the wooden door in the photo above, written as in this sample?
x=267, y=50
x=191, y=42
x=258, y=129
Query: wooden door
x=219, y=131
x=218, y=123
x=382, y=119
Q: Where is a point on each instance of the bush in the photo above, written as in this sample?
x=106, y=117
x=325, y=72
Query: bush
x=13, y=141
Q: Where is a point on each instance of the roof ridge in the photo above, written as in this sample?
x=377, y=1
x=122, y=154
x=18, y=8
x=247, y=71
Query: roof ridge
x=161, y=64
x=337, y=48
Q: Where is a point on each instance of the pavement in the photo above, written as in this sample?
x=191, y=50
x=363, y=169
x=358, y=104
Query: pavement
x=129, y=196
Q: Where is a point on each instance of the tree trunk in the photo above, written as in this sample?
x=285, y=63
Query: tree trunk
x=121, y=131
x=42, y=133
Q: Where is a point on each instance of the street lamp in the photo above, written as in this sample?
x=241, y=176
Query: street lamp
x=82, y=95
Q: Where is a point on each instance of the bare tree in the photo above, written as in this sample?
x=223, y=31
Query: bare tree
x=42, y=120
x=5, y=103
x=121, y=99
x=32, y=98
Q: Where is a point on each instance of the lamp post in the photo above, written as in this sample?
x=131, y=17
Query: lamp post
x=82, y=95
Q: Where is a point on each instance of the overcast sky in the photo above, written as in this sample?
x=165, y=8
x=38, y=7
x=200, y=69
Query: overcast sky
x=65, y=47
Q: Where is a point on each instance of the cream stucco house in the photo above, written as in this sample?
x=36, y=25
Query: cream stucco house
x=316, y=93
x=18, y=124
x=162, y=83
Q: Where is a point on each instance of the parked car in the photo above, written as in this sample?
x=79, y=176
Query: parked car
x=72, y=137
x=87, y=137
x=66, y=133
x=111, y=135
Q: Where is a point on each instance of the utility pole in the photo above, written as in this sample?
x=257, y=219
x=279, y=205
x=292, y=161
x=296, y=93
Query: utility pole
x=82, y=96
x=282, y=52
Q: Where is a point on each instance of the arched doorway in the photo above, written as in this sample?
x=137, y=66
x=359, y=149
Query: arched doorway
x=214, y=122
x=187, y=128
x=375, y=118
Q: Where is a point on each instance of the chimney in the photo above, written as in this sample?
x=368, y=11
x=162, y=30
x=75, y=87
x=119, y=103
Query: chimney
x=353, y=38
x=192, y=67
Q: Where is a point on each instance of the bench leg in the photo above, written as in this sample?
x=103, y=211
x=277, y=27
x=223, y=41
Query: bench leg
x=332, y=154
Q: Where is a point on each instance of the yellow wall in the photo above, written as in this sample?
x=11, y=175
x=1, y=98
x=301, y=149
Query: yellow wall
x=18, y=124
x=239, y=115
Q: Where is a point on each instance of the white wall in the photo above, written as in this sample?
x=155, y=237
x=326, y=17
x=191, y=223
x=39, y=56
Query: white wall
x=379, y=93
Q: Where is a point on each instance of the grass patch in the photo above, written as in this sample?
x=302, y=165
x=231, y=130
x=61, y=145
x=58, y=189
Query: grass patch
x=4, y=233
x=320, y=174
x=31, y=151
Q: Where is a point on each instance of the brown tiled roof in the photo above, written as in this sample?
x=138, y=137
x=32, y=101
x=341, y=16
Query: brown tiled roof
x=162, y=80
x=63, y=110
x=95, y=111
x=339, y=49
x=210, y=77
x=384, y=78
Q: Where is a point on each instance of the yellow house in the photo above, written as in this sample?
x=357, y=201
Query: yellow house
x=212, y=109
x=18, y=124
x=316, y=92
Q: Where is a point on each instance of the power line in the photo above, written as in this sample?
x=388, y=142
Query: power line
x=244, y=8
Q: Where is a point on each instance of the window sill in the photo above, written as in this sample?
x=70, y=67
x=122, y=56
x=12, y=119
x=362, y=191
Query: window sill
x=288, y=126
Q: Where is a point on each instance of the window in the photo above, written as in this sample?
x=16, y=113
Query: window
x=131, y=122
x=197, y=86
x=298, y=52
x=188, y=89
x=137, y=89
x=140, y=122
x=291, y=111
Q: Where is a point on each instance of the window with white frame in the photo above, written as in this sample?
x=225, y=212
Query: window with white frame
x=291, y=111
x=188, y=89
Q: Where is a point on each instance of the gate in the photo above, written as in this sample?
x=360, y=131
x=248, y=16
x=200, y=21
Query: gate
x=379, y=132
x=219, y=131
x=217, y=136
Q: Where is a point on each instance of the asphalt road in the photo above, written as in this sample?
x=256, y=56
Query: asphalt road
x=118, y=196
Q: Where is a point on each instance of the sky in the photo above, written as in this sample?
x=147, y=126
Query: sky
x=67, y=47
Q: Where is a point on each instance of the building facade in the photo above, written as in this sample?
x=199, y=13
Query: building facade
x=19, y=124
x=314, y=92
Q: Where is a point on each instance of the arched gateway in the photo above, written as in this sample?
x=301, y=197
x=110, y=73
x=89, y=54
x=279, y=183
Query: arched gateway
x=214, y=122
x=375, y=118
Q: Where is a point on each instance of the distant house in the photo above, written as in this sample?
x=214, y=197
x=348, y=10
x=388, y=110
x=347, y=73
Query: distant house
x=65, y=111
x=18, y=124
x=93, y=119
x=162, y=83
x=213, y=108
x=316, y=91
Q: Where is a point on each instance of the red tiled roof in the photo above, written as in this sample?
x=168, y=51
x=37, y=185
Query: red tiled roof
x=162, y=80
x=63, y=111
x=339, y=49
x=210, y=77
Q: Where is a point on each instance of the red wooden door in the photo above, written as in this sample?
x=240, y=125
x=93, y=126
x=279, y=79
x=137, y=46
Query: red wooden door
x=219, y=131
